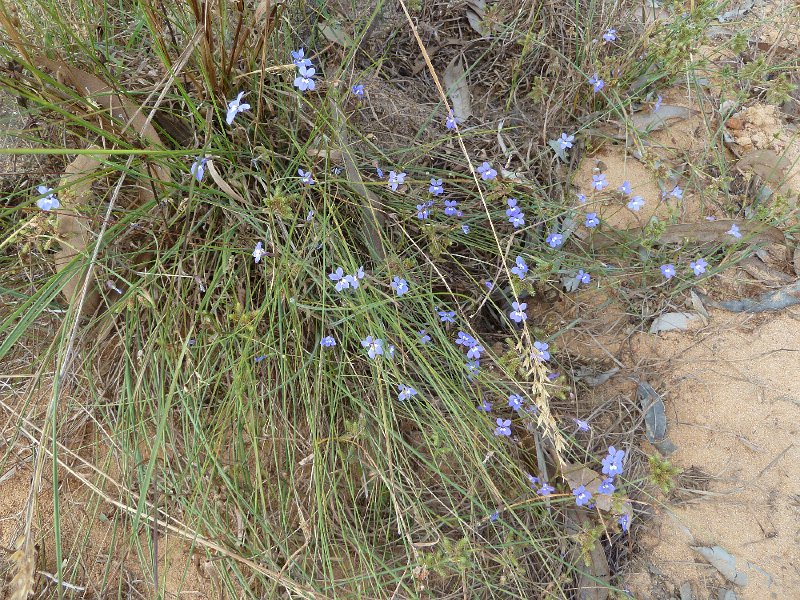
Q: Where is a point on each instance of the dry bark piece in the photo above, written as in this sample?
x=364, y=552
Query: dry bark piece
x=73, y=228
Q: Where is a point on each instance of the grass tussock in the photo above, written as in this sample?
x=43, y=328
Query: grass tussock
x=213, y=410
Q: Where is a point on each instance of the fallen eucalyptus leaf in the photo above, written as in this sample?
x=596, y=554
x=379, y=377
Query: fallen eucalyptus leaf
x=592, y=378
x=223, y=185
x=672, y=321
x=333, y=33
x=771, y=301
x=648, y=121
x=655, y=418
x=476, y=13
x=737, y=11
x=769, y=166
x=73, y=227
x=723, y=562
x=455, y=82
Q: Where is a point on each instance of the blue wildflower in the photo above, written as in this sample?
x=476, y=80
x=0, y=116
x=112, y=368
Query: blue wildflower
x=465, y=339
x=677, y=193
x=607, y=487
x=583, y=277
x=198, y=168
x=436, y=187
x=625, y=188
x=624, y=522
x=328, y=342
x=596, y=83
x=451, y=208
x=636, y=203
x=305, y=78
x=734, y=231
x=582, y=197
x=374, y=346
x=485, y=406
x=503, y=427
x=546, y=489
x=447, y=316
x=565, y=141
x=423, y=336
x=406, y=392
x=591, y=220
x=358, y=91
x=540, y=351
x=518, y=314
x=259, y=252
x=399, y=285
x=299, y=59
x=668, y=271
x=465, y=228
x=582, y=495
x=451, y=122
x=515, y=402
x=612, y=463
x=599, y=181
x=521, y=270
x=473, y=366
x=582, y=425
x=610, y=35
x=423, y=212
x=657, y=103
x=236, y=106
x=487, y=172
x=305, y=177
x=342, y=281
x=396, y=179
x=554, y=240
x=48, y=201
x=698, y=266
x=474, y=352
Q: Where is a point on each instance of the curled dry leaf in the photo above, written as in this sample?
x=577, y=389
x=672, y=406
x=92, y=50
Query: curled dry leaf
x=455, y=83
x=119, y=107
x=74, y=227
x=769, y=166
x=645, y=121
x=223, y=185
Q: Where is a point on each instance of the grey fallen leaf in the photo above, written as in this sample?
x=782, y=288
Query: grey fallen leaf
x=698, y=305
x=769, y=166
x=783, y=298
x=737, y=11
x=727, y=595
x=333, y=33
x=655, y=419
x=570, y=284
x=679, y=321
x=591, y=377
x=455, y=83
x=556, y=146
x=646, y=121
x=686, y=591
x=723, y=562
x=476, y=13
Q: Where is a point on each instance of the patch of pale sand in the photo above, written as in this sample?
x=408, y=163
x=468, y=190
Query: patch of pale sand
x=669, y=146
x=734, y=412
